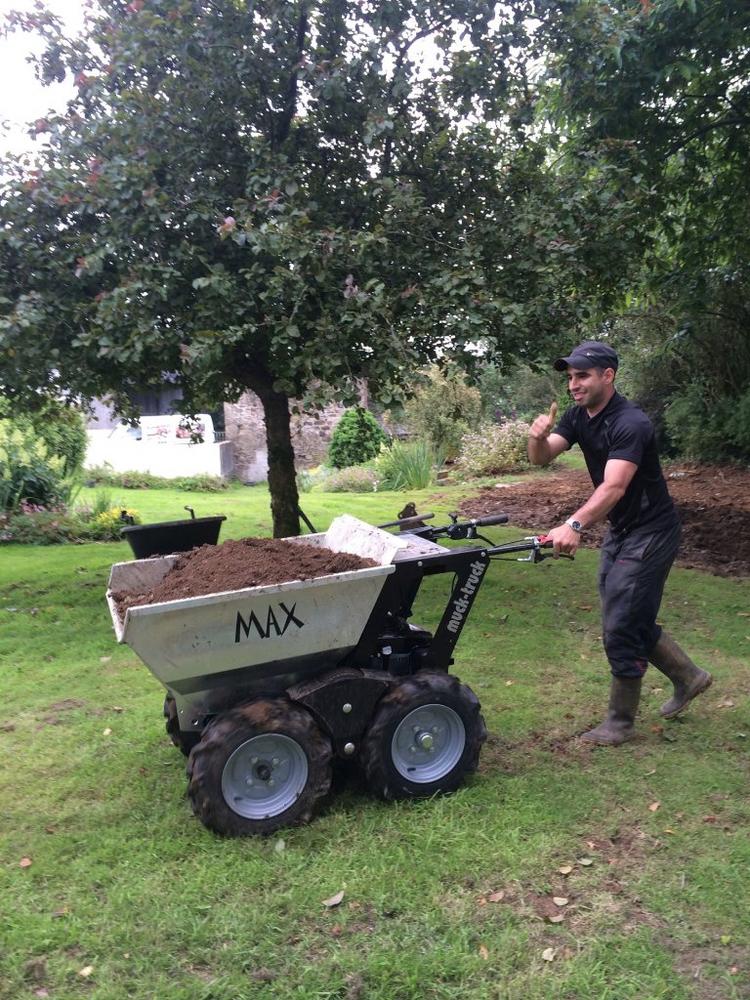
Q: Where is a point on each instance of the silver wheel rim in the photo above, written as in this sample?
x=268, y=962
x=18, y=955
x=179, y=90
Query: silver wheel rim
x=428, y=743
x=264, y=776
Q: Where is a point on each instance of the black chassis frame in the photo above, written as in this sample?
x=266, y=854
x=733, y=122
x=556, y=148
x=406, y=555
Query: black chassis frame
x=344, y=699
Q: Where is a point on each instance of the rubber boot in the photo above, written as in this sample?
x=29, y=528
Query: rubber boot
x=688, y=679
x=619, y=726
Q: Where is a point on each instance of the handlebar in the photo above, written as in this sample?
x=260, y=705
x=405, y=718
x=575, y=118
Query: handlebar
x=485, y=522
x=455, y=530
x=533, y=544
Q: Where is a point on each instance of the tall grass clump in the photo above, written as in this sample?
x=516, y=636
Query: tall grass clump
x=406, y=466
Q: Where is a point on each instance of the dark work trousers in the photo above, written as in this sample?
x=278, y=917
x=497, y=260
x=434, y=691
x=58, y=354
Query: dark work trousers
x=632, y=572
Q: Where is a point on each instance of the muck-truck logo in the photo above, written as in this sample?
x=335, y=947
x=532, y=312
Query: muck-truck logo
x=462, y=602
x=276, y=623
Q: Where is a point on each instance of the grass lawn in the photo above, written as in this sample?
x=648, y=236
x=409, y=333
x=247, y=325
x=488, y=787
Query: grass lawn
x=113, y=890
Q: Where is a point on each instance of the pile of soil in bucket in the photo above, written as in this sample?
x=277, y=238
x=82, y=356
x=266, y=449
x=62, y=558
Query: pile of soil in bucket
x=713, y=503
x=235, y=565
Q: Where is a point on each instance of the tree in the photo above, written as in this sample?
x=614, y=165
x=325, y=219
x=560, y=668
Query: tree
x=663, y=89
x=286, y=197
x=443, y=408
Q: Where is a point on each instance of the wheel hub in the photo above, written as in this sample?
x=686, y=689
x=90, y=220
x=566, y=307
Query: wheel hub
x=425, y=741
x=428, y=743
x=264, y=776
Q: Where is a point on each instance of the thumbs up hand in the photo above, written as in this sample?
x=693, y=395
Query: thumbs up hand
x=544, y=423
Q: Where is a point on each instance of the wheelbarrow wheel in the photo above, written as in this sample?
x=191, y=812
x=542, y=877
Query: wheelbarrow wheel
x=425, y=738
x=259, y=767
x=183, y=741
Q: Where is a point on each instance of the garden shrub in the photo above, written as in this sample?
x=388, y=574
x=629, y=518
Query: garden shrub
x=494, y=449
x=105, y=475
x=406, y=466
x=203, y=483
x=304, y=481
x=699, y=428
x=354, y=479
x=444, y=408
x=40, y=527
x=356, y=439
x=27, y=469
x=34, y=525
x=108, y=524
x=63, y=430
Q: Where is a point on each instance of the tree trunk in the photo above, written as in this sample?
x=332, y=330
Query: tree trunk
x=282, y=480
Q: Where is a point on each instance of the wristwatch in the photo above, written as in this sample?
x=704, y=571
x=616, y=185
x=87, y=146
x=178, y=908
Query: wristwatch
x=575, y=525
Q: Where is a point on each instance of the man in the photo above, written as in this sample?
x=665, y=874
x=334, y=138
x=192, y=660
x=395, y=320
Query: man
x=617, y=441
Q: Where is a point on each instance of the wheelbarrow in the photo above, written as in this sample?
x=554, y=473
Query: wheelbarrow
x=267, y=686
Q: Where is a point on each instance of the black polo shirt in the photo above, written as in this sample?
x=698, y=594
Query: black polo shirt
x=622, y=430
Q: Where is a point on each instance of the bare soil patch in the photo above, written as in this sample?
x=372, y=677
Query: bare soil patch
x=713, y=503
x=237, y=564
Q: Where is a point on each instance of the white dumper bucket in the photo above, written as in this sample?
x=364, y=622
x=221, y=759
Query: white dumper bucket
x=207, y=649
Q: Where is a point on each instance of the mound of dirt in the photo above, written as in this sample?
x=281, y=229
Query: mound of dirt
x=247, y=562
x=713, y=503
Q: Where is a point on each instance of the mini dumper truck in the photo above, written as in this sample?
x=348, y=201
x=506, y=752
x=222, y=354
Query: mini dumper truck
x=266, y=686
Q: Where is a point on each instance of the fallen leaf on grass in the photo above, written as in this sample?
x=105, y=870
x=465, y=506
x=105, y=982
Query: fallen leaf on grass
x=35, y=971
x=41, y=993
x=508, y=683
x=585, y=607
x=740, y=614
x=726, y=938
x=585, y=862
x=727, y=703
x=62, y=912
x=548, y=954
x=710, y=819
x=560, y=900
x=25, y=863
x=565, y=869
x=86, y=971
x=497, y=897
x=107, y=732
x=117, y=708
x=262, y=975
x=334, y=900
x=104, y=659
x=654, y=807
x=483, y=953
x=556, y=918
x=280, y=846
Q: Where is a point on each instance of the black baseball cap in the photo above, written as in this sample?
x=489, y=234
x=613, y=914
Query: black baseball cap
x=589, y=354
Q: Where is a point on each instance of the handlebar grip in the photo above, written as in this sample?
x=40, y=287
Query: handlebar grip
x=485, y=522
x=545, y=542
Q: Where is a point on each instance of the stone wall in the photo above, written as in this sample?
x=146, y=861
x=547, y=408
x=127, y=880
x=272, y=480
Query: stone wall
x=246, y=429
